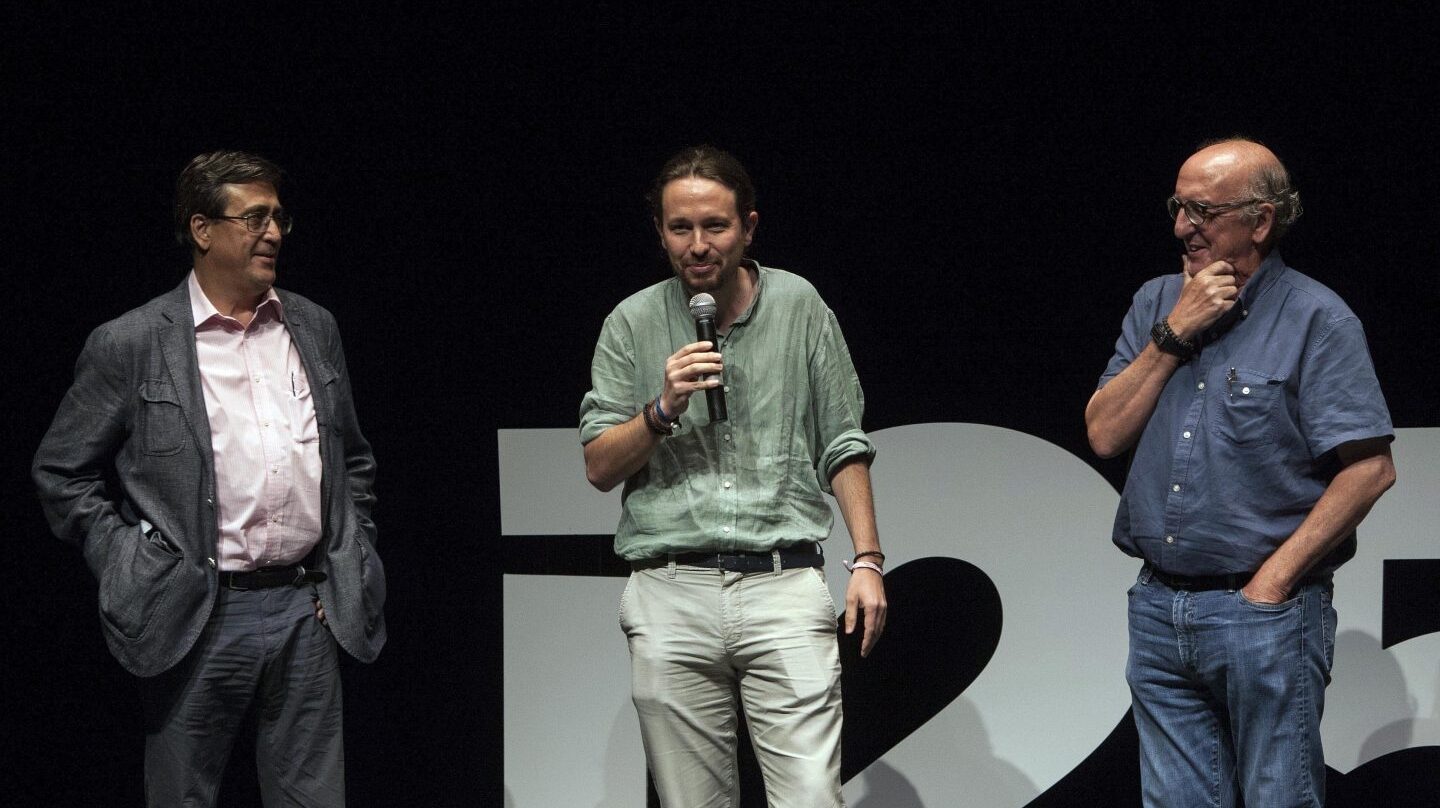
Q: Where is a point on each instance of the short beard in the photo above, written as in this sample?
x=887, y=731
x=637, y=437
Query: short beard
x=722, y=280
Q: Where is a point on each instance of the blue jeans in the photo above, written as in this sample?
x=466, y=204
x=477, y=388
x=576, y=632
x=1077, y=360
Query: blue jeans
x=1228, y=695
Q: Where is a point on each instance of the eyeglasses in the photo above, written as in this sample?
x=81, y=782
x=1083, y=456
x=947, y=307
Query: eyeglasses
x=260, y=222
x=1198, y=213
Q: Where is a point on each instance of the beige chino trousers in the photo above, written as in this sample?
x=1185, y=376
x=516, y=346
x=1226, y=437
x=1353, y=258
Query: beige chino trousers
x=703, y=644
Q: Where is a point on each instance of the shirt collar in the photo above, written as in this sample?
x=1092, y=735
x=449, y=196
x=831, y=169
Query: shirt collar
x=1265, y=277
x=744, y=317
x=203, y=311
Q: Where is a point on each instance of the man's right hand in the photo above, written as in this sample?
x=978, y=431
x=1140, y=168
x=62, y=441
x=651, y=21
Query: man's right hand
x=1204, y=298
x=684, y=375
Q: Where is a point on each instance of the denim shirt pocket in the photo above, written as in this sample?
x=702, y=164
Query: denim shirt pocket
x=162, y=421
x=1245, y=408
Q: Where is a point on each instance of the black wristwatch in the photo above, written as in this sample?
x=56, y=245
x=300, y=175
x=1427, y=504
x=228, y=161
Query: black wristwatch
x=1166, y=340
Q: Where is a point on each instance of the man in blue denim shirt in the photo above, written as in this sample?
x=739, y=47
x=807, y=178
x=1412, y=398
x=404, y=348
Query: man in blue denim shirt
x=1261, y=440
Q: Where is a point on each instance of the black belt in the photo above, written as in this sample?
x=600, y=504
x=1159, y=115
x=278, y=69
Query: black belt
x=271, y=577
x=1202, y=583
x=799, y=555
x=1234, y=582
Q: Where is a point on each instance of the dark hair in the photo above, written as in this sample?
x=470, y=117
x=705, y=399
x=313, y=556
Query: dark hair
x=201, y=187
x=706, y=162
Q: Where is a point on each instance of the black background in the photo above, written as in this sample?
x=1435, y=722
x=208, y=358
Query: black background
x=976, y=193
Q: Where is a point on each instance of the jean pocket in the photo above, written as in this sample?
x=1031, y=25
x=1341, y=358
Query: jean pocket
x=1283, y=606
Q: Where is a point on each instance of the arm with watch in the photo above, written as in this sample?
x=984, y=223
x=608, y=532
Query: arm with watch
x=1117, y=413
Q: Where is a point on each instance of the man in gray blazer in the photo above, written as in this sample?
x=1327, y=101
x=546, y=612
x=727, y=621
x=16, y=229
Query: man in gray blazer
x=208, y=464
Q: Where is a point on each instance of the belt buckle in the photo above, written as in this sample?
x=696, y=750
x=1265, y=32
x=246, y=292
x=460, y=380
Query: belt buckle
x=230, y=582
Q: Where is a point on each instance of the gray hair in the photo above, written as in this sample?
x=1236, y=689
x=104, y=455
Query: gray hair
x=1271, y=183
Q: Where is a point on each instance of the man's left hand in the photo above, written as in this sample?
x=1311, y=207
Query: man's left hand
x=866, y=593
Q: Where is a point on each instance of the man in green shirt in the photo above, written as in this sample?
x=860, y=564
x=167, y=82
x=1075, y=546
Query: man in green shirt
x=727, y=606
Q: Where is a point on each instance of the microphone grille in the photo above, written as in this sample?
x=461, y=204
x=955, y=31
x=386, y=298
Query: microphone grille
x=702, y=306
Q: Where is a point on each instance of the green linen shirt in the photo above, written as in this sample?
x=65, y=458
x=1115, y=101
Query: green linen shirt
x=753, y=482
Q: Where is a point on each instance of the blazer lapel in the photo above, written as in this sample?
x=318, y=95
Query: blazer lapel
x=176, y=331
x=319, y=374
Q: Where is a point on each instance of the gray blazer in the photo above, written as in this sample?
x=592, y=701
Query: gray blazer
x=125, y=472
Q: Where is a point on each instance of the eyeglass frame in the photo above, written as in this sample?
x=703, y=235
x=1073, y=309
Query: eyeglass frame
x=1204, y=211
x=282, y=219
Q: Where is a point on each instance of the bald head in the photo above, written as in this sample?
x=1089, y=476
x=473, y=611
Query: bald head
x=1246, y=169
x=1234, y=155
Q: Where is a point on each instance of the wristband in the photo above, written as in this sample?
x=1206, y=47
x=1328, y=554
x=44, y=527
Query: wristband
x=875, y=553
x=1169, y=342
x=659, y=427
x=660, y=411
x=863, y=565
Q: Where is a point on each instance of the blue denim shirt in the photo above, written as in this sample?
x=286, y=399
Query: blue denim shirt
x=1238, y=449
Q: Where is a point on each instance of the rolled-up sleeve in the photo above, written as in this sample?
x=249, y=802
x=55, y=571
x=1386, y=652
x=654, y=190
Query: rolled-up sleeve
x=838, y=404
x=612, y=379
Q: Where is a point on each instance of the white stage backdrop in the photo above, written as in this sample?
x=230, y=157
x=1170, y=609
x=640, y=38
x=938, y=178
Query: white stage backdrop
x=1036, y=520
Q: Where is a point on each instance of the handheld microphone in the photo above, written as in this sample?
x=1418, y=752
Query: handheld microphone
x=702, y=308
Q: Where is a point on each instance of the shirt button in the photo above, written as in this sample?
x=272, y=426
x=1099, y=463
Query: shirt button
x=1169, y=539
x=727, y=388
x=1244, y=312
x=274, y=469
x=1245, y=391
x=727, y=436
x=726, y=483
x=1200, y=386
x=257, y=379
x=265, y=424
x=726, y=528
x=1175, y=487
x=1187, y=434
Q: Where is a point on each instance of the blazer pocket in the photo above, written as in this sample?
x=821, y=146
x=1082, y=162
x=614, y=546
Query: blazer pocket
x=137, y=580
x=372, y=583
x=162, y=421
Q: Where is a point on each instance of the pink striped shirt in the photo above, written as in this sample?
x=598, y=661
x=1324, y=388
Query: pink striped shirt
x=263, y=434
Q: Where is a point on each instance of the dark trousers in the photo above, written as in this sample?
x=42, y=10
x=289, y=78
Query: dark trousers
x=263, y=654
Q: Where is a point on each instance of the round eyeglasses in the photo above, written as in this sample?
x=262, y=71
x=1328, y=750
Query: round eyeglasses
x=1198, y=213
